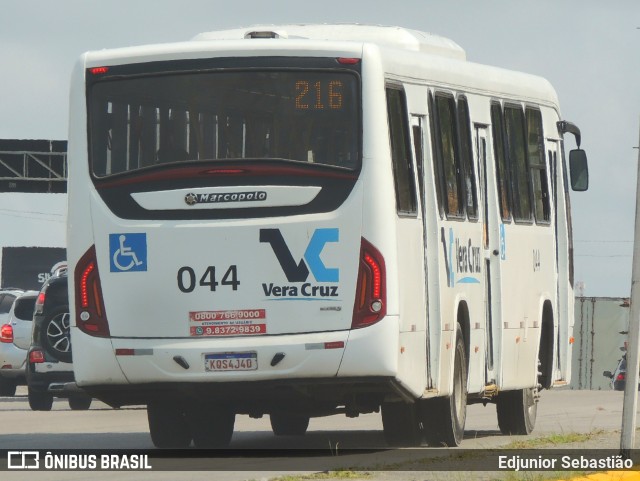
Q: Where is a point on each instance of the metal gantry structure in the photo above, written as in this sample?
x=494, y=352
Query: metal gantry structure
x=33, y=166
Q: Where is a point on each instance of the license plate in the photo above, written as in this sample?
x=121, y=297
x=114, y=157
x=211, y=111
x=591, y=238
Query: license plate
x=231, y=361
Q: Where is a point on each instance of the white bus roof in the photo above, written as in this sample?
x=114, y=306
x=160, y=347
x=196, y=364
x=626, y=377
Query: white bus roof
x=381, y=35
x=398, y=46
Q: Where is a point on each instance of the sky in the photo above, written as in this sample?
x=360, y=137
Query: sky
x=588, y=50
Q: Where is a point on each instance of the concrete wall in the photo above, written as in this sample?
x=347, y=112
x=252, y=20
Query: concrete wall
x=600, y=330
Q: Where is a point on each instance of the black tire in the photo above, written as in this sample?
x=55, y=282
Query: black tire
x=7, y=387
x=444, y=418
x=517, y=411
x=168, y=426
x=80, y=403
x=55, y=334
x=211, y=426
x=284, y=424
x=401, y=424
x=39, y=400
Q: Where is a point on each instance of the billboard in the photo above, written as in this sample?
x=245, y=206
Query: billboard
x=29, y=267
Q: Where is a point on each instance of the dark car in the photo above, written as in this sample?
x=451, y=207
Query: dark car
x=49, y=363
x=619, y=375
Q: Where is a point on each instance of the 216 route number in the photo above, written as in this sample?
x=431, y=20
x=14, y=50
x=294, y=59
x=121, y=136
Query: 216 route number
x=187, y=278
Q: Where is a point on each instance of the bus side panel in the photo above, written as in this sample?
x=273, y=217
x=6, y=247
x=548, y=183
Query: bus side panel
x=410, y=283
x=86, y=350
x=461, y=300
x=529, y=259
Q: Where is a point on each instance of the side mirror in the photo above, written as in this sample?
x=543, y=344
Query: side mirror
x=579, y=170
x=607, y=374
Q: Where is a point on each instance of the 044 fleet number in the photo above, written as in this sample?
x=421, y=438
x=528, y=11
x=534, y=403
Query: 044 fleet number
x=188, y=279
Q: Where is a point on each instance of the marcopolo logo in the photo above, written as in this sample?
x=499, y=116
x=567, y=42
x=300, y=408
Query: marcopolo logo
x=298, y=272
x=193, y=199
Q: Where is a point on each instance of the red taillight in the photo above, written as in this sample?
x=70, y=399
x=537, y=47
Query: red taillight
x=348, y=60
x=371, y=298
x=40, y=302
x=376, y=276
x=90, y=314
x=84, y=284
x=620, y=377
x=99, y=70
x=6, y=333
x=36, y=356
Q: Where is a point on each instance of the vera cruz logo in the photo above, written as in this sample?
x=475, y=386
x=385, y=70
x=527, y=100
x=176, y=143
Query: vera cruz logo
x=298, y=271
x=460, y=259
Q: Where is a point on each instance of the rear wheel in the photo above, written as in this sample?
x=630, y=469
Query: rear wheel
x=401, y=424
x=284, y=424
x=517, y=411
x=168, y=426
x=444, y=418
x=7, y=387
x=39, y=400
x=55, y=335
x=211, y=426
x=80, y=403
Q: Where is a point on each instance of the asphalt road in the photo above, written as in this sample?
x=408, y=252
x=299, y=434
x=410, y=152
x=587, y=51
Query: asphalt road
x=559, y=412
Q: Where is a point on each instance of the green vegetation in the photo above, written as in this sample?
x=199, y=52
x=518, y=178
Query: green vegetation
x=342, y=474
x=423, y=464
x=544, y=476
x=552, y=440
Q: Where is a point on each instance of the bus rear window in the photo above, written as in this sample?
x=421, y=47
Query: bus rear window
x=303, y=116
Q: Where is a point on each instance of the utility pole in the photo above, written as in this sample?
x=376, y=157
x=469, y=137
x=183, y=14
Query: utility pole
x=630, y=403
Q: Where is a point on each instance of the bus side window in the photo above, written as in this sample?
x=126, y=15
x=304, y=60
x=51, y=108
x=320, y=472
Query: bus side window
x=538, y=166
x=448, y=158
x=418, y=151
x=501, y=163
x=401, y=151
x=466, y=153
x=516, y=145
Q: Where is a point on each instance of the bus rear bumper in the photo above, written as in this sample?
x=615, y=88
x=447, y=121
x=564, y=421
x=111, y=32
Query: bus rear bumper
x=120, y=370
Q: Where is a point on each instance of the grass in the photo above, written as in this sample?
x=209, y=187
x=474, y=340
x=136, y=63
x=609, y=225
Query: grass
x=552, y=440
x=544, y=476
x=342, y=474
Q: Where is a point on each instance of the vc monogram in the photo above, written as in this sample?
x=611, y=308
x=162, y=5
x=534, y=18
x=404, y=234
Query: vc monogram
x=299, y=272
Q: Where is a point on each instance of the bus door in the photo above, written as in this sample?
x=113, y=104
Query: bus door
x=560, y=337
x=490, y=244
x=417, y=130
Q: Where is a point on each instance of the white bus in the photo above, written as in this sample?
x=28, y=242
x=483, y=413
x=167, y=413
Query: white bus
x=306, y=220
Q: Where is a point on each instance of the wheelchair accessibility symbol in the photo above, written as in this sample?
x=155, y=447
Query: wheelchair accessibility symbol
x=128, y=252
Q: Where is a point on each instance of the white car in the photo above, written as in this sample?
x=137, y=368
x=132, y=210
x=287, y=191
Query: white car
x=15, y=339
x=7, y=296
